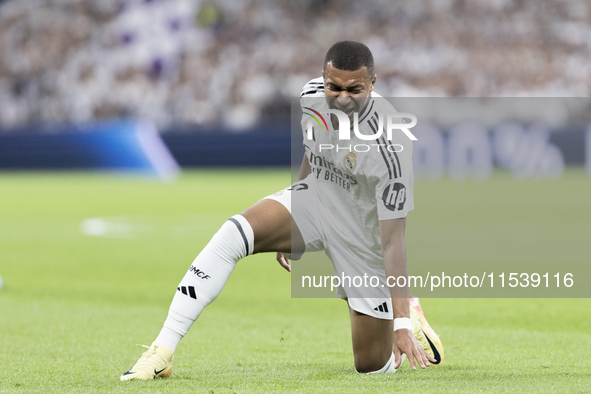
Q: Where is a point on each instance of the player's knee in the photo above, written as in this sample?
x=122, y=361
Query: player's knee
x=271, y=224
x=364, y=367
x=367, y=367
x=367, y=363
x=375, y=364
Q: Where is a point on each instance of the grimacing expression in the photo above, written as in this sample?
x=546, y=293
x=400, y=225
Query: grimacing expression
x=347, y=91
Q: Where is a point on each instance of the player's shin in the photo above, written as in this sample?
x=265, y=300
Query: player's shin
x=206, y=277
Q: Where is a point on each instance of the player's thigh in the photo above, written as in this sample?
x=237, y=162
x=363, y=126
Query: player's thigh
x=273, y=227
x=372, y=341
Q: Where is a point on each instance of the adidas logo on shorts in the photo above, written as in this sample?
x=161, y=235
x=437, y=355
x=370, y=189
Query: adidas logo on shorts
x=382, y=308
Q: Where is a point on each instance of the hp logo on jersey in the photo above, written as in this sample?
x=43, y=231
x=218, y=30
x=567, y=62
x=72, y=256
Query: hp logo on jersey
x=394, y=196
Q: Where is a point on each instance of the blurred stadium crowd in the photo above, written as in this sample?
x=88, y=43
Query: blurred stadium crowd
x=235, y=62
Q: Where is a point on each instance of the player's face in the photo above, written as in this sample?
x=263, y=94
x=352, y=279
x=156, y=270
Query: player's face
x=347, y=91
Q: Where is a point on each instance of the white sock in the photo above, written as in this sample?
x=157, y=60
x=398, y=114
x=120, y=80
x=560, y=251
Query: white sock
x=206, y=277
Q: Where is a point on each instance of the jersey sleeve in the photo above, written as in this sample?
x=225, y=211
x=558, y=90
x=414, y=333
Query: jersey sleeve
x=393, y=176
x=313, y=88
x=311, y=97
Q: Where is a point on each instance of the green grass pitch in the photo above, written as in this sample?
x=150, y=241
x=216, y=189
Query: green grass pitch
x=74, y=306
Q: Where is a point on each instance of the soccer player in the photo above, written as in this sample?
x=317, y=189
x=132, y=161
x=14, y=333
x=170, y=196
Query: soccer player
x=366, y=194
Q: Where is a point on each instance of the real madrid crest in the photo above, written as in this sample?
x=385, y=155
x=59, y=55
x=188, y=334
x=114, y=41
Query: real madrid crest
x=350, y=161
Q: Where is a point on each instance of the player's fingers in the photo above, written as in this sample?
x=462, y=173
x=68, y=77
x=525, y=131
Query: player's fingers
x=288, y=266
x=424, y=362
x=283, y=261
x=411, y=360
x=429, y=357
x=397, y=357
x=424, y=359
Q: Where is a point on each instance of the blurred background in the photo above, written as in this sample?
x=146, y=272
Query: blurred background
x=213, y=68
x=90, y=261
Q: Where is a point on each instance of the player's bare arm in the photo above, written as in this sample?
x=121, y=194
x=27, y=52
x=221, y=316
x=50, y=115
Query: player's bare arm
x=395, y=264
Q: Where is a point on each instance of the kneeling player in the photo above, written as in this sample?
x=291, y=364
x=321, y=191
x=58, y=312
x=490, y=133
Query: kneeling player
x=374, y=187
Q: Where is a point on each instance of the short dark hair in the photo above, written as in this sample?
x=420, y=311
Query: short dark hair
x=350, y=56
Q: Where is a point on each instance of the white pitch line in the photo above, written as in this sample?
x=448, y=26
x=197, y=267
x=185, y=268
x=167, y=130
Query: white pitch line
x=123, y=226
x=99, y=227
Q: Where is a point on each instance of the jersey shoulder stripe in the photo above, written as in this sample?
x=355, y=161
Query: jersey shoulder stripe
x=311, y=92
x=313, y=87
x=388, y=165
x=390, y=158
x=369, y=111
x=392, y=155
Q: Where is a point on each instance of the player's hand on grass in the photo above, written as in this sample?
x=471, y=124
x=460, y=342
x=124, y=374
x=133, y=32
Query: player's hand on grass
x=283, y=261
x=405, y=342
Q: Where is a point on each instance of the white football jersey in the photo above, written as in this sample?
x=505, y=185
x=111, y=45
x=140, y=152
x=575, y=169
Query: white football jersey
x=357, y=182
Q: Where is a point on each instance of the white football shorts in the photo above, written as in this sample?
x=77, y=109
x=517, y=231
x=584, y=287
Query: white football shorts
x=363, y=285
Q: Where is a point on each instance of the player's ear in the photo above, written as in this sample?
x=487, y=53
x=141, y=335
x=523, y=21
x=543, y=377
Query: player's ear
x=373, y=82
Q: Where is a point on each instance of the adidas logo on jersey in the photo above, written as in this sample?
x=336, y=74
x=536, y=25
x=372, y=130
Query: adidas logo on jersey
x=382, y=308
x=191, y=289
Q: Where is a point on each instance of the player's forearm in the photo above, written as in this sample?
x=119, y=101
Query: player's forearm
x=305, y=169
x=394, y=253
x=396, y=266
